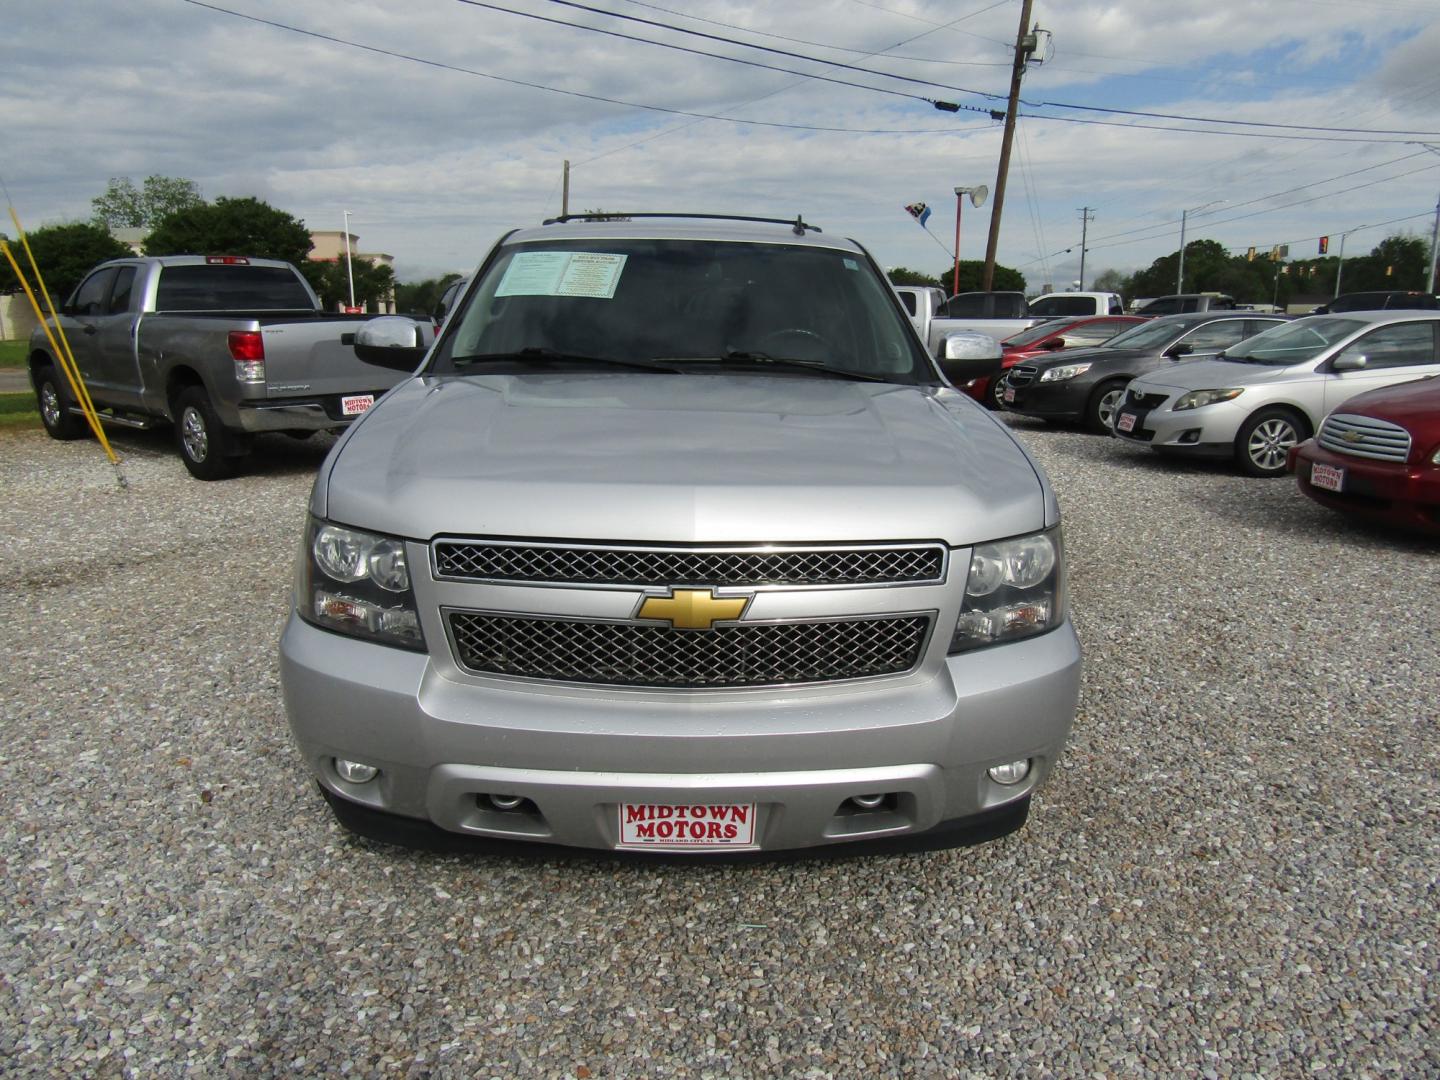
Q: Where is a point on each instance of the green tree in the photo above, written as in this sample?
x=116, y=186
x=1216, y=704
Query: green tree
x=373, y=281
x=972, y=277
x=64, y=253
x=903, y=275
x=125, y=206
x=231, y=226
x=421, y=297
x=1110, y=281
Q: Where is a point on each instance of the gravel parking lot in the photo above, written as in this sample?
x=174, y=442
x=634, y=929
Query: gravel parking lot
x=1233, y=872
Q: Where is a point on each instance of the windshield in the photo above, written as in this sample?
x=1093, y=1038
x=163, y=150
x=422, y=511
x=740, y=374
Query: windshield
x=1293, y=342
x=1034, y=334
x=1150, y=335
x=1063, y=305
x=678, y=300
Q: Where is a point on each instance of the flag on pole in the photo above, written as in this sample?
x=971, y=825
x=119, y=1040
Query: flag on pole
x=919, y=211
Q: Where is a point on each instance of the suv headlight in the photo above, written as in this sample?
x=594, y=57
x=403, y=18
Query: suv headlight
x=358, y=583
x=1015, y=589
x=1198, y=399
x=1063, y=372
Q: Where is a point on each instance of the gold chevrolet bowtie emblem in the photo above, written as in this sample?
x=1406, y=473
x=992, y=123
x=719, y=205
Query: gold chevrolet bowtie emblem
x=692, y=609
x=1352, y=436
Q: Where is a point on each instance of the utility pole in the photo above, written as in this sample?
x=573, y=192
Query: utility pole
x=1086, y=214
x=1024, y=45
x=1180, y=271
x=565, y=190
x=1340, y=266
x=1434, y=248
x=349, y=270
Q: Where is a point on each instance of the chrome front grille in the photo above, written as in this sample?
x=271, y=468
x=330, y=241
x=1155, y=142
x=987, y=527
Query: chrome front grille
x=1145, y=401
x=1022, y=375
x=487, y=560
x=632, y=654
x=1364, y=436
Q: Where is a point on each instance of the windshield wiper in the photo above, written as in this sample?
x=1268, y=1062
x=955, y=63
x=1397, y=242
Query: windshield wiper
x=762, y=359
x=534, y=352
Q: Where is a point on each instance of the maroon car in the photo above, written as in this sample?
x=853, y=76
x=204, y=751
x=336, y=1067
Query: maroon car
x=1066, y=332
x=1378, y=455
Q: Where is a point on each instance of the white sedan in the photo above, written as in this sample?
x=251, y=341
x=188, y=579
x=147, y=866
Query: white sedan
x=1269, y=392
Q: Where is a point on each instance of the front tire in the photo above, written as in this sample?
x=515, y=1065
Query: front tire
x=60, y=423
x=1100, y=409
x=207, y=449
x=1265, y=439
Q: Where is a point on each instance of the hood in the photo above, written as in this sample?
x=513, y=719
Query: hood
x=1095, y=354
x=1414, y=405
x=1215, y=374
x=681, y=459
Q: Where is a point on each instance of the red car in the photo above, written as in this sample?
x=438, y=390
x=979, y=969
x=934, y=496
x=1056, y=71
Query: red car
x=1378, y=455
x=1044, y=338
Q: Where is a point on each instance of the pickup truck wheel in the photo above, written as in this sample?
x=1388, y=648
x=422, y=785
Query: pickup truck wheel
x=1100, y=410
x=1265, y=439
x=206, y=447
x=60, y=422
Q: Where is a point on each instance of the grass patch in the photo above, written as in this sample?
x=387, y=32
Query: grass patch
x=12, y=353
x=18, y=410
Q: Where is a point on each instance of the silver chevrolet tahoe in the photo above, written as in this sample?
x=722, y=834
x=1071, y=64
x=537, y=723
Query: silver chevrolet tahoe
x=678, y=541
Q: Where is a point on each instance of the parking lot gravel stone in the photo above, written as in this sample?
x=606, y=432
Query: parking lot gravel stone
x=1233, y=872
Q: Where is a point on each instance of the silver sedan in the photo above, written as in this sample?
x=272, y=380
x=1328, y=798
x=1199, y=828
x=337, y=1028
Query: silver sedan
x=1269, y=392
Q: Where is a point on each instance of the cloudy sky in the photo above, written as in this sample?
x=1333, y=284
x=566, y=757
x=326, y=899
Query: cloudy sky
x=440, y=123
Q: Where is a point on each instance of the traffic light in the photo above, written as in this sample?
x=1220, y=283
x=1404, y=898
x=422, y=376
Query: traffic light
x=1324, y=245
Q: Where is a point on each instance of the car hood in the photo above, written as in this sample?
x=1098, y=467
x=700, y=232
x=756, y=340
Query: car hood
x=681, y=458
x=1413, y=405
x=1094, y=355
x=1215, y=374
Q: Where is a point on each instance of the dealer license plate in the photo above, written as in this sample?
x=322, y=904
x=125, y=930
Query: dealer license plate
x=1126, y=422
x=687, y=828
x=355, y=404
x=1009, y=395
x=1327, y=476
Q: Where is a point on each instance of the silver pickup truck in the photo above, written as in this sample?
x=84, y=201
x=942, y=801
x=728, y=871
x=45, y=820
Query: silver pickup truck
x=998, y=315
x=222, y=347
x=678, y=540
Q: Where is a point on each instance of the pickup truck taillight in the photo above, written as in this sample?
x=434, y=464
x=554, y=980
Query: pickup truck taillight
x=247, y=348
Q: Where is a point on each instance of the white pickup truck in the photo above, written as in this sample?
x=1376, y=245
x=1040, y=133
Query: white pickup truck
x=998, y=314
x=222, y=347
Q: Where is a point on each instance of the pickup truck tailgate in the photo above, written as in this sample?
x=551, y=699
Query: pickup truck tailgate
x=303, y=359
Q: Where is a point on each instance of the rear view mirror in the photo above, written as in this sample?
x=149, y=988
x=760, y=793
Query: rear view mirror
x=970, y=355
x=391, y=341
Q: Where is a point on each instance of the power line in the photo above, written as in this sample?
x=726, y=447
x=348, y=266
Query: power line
x=907, y=78
x=442, y=66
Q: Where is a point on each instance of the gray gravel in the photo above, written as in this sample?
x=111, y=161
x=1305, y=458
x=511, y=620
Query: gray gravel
x=1233, y=872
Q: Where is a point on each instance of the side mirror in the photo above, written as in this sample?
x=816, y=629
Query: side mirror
x=970, y=355
x=1179, y=349
x=391, y=341
x=1054, y=344
x=1349, y=362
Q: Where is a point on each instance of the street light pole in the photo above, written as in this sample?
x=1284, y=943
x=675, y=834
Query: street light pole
x=1180, y=274
x=959, y=205
x=349, y=269
x=1340, y=266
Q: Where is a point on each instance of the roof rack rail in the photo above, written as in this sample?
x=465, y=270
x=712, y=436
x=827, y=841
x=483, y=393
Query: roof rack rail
x=799, y=225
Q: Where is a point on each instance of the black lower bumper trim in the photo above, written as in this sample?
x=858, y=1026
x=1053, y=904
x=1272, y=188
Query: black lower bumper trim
x=420, y=835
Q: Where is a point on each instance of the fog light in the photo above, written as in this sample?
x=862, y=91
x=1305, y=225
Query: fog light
x=868, y=802
x=1010, y=774
x=506, y=802
x=354, y=772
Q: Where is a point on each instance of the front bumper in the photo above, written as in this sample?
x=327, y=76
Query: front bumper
x=1060, y=400
x=576, y=754
x=1393, y=493
x=1205, y=432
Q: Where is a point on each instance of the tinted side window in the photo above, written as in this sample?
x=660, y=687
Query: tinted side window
x=120, y=293
x=89, y=298
x=966, y=306
x=1401, y=345
x=1009, y=307
x=1162, y=307
x=1116, y=308
x=908, y=299
x=1254, y=326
